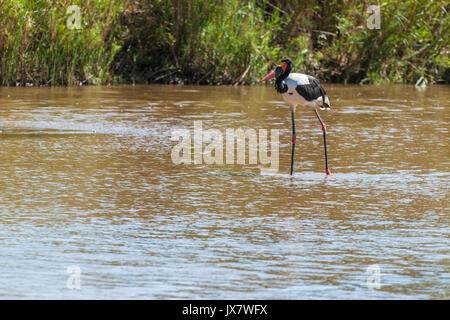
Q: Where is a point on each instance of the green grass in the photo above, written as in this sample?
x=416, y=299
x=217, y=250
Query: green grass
x=37, y=46
x=220, y=41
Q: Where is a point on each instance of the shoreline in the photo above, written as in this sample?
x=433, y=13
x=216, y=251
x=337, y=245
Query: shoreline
x=224, y=85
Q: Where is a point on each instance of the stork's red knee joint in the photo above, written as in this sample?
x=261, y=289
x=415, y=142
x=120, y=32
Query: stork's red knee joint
x=324, y=127
x=294, y=138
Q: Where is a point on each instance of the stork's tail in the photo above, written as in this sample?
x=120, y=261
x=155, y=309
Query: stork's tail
x=325, y=101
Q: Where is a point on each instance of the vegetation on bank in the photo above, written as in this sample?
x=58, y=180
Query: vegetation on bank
x=43, y=42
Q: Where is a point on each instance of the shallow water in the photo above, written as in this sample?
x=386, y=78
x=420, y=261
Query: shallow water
x=87, y=180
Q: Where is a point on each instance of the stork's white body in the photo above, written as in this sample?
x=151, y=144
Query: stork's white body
x=293, y=98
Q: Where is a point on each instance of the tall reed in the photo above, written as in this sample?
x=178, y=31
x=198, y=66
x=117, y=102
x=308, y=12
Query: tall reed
x=41, y=45
x=220, y=41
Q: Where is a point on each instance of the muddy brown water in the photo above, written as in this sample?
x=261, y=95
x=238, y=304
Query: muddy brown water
x=87, y=183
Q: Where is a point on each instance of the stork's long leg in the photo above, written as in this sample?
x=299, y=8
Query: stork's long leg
x=294, y=138
x=324, y=130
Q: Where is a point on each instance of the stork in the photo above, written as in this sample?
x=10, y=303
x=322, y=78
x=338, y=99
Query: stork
x=300, y=89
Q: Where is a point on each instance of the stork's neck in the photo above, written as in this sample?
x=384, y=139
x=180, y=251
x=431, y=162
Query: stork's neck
x=279, y=85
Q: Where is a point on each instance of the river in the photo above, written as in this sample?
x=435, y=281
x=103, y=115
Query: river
x=93, y=206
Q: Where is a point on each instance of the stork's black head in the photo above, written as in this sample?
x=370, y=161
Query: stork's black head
x=288, y=67
x=283, y=70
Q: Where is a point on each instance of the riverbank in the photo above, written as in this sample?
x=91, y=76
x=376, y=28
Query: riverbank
x=216, y=42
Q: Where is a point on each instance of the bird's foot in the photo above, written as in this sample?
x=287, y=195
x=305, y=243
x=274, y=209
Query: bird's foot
x=328, y=172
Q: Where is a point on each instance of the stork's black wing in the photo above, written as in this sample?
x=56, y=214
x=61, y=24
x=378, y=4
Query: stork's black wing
x=311, y=91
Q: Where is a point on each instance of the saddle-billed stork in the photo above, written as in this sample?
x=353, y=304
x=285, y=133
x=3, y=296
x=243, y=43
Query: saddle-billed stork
x=300, y=89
